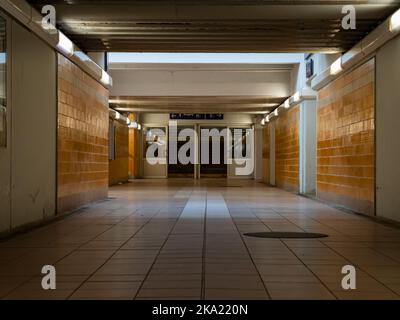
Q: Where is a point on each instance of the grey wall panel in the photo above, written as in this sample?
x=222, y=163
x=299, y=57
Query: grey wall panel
x=33, y=156
x=5, y=150
x=308, y=147
x=388, y=130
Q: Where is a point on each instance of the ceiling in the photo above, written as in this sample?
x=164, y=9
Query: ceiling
x=215, y=26
x=200, y=87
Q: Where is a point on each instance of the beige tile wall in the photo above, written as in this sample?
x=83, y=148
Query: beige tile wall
x=266, y=155
x=287, y=149
x=82, y=137
x=118, y=168
x=345, y=140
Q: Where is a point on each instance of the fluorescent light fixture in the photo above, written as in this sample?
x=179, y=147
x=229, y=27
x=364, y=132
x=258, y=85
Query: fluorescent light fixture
x=296, y=96
x=395, y=21
x=336, y=67
x=65, y=45
x=287, y=104
x=105, y=78
x=82, y=56
x=133, y=125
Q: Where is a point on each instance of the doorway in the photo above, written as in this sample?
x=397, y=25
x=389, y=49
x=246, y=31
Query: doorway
x=178, y=169
x=213, y=163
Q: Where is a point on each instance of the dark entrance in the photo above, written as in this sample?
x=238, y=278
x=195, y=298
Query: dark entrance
x=180, y=170
x=210, y=170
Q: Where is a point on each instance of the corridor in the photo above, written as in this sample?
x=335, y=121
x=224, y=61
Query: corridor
x=184, y=239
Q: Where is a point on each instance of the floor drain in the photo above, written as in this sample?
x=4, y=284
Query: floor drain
x=286, y=235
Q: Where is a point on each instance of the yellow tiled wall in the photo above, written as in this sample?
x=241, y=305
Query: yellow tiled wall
x=134, y=148
x=345, y=140
x=82, y=156
x=287, y=149
x=134, y=135
x=118, y=168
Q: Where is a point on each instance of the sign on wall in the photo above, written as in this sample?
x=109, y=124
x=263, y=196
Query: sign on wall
x=196, y=116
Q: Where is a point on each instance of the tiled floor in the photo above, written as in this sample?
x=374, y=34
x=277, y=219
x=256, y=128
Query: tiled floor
x=182, y=239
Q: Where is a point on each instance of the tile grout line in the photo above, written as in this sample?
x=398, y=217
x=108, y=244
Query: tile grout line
x=286, y=245
x=68, y=254
x=248, y=252
x=158, y=253
x=355, y=264
x=363, y=242
x=108, y=259
x=283, y=242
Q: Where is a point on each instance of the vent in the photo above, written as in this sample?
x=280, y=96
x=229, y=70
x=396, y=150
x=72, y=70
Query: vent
x=286, y=235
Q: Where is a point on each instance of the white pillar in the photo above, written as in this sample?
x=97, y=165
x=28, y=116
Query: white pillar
x=258, y=153
x=308, y=147
x=271, y=127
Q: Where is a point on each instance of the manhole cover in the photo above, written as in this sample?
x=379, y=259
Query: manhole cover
x=286, y=235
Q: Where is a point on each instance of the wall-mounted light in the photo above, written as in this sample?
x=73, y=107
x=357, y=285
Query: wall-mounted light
x=296, y=96
x=65, y=45
x=336, y=67
x=287, y=104
x=105, y=78
x=133, y=125
x=395, y=21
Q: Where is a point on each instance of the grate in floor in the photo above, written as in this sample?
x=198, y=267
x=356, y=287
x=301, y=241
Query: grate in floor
x=286, y=235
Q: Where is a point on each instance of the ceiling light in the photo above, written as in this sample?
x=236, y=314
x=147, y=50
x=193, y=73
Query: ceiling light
x=395, y=21
x=336, y=67
x=65, y=45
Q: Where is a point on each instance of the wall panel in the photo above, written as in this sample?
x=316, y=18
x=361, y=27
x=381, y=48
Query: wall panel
x=33, y=129
x=82, y=137
x=118, y=167
x=388, y=130
x=345, y=140
x=287, y=149
x=266, y=155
